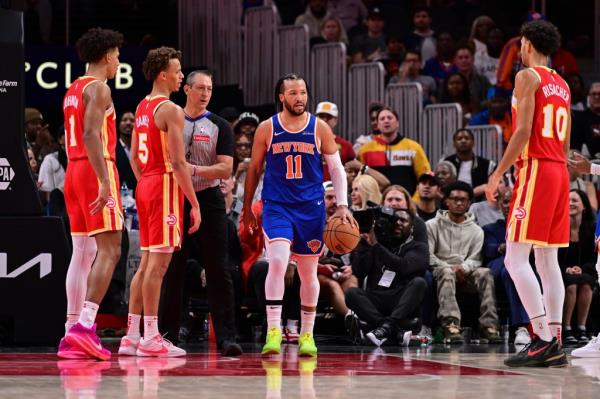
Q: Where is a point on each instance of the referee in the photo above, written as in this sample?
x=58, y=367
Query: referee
x=209, y=147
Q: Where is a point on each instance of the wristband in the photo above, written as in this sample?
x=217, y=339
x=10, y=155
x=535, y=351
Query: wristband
x=595, y=169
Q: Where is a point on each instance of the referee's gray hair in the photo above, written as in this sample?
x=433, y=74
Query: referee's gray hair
x=189, y=80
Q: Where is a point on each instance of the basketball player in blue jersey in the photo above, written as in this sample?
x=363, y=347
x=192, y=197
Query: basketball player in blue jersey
x=292, y=143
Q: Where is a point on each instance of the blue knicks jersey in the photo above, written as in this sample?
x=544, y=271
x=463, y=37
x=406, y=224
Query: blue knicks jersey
x=294, y=170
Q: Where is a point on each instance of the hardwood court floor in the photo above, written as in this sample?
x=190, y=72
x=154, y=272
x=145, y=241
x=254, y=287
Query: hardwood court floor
x=467, y=371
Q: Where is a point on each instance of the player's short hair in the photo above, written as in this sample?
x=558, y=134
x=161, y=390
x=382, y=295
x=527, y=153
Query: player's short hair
x=279, y=87
x=543, y=35
x=388, y=108
x=157, y=61
x=96, y=42
x=459, y=186
x=189, y=80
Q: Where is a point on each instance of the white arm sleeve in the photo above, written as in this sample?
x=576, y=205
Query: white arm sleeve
x=595, y=169
x=338, y=177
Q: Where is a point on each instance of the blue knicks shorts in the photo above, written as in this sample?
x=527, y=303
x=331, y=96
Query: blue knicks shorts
x=598, y=227
x=300, y=223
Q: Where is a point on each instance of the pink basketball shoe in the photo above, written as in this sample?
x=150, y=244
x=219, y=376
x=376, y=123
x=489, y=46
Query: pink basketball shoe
x=66, y=351
x=85, y=340
x=158, y=347
x=128, y=346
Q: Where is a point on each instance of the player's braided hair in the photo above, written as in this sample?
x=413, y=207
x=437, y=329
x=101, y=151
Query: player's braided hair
x=96, y=42
x=157, y=61
x=544, y=36
x=279, y=88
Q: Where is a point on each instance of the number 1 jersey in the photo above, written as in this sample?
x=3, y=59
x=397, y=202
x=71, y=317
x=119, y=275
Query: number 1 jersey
x=550, y=118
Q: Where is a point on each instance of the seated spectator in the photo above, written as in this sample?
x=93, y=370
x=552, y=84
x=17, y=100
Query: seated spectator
x=399, y=158
x=313, y=17
x=393, y=56
x=335, y=271
x=241, y=162
x=332, y=31
x=445, y=172
x=494, y=250
x=455, y=89
x=246, y=125
x=428, y=188
x=577, y=86
x=233, y=205
x=363, y=139
x=328, y=112
x=364, y=189
x=478, y=84
x=564, y=62
x=410, y=72
x=397, y=197
x=34, y=122
x=394, y=283
x=497, y=113
x=471, y=168
x=578, y=265
x=480, y=30
x=354, y=168
x=487, y=64
x=123, y=151
x=422, y=39
x=52, y=171
x=455, y=244
x=586, y=124
x=33, y=164
x=487, y=212
x=577, y=183
x=369, y=46
x=350, y=12
x=442, y=65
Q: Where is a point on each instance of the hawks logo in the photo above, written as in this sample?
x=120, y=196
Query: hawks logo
x=111, y=203
x=520, y=213
x=171, y=220
x=314, y=245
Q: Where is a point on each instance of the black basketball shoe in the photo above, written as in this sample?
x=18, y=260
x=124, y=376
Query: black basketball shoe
x=539, y=354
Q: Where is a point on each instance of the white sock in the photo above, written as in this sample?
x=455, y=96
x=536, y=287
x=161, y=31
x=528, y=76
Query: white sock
x=133, y=325
x=150, y=327
x=309, y=290
x=567, y=328
x=546, y=260
x=88, y=314
x=581, y=327
x=82, y=258
x=521, y=273
x=307, y=319
x=278, y=254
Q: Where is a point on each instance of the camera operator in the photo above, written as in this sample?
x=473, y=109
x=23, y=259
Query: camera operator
x=393, y=264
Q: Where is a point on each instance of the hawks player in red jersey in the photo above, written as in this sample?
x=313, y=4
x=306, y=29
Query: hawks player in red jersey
x=91, y=192
x=158, y=161
x=539, y=214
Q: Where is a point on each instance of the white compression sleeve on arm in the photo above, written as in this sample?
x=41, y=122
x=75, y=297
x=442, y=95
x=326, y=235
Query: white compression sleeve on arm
x=595, y=169
x=338, y=177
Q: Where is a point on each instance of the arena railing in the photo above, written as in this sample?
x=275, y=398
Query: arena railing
x=407, y=100
x=295, y=55
x=489, y=142
x=261, y=55
x=210, y=35
x=438, y=124
x=328, y=79
x=365, y=85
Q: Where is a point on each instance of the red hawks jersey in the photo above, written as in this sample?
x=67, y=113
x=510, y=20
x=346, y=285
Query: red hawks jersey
x=152, y=154
x=74, y=112
x=550, y=118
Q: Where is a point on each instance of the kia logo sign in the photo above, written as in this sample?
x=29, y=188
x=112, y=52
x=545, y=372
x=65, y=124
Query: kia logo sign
x=43, y=259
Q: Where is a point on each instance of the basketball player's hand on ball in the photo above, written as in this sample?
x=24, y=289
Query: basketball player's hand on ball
x=194, y=220
x=102, y=199
x=492, y=186
x=579, y=163
x=344, y=213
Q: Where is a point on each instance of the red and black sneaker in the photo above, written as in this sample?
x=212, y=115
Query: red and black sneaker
x=539, y=353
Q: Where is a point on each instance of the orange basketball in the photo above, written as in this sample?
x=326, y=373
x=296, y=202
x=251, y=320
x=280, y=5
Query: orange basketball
x=340, y=238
